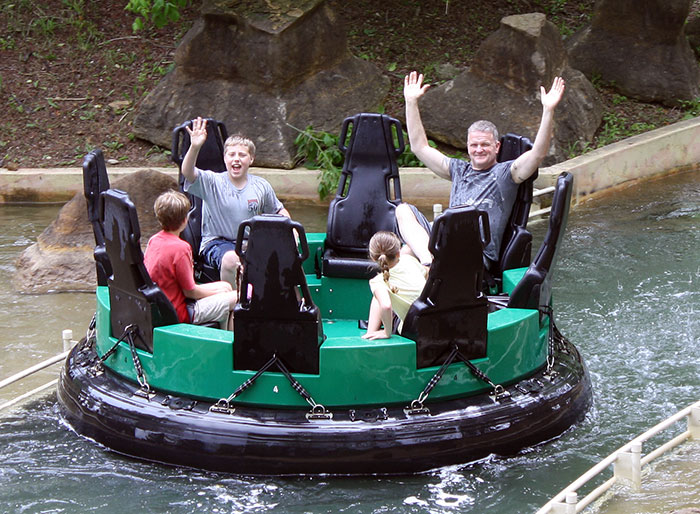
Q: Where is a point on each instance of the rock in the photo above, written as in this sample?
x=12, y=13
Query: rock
x=61, y=260
x=263, y=68
x=447, y=71
x=692, y=31
x=119, y=105
x=503, y=86
x=639, y=46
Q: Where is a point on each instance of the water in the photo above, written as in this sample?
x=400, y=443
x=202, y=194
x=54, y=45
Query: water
x=626, y=293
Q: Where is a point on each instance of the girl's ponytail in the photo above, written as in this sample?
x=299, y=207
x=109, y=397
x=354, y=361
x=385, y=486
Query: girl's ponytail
x=385, y=247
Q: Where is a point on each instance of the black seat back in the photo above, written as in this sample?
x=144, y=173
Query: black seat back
x=275, y=314
x=534, y=291
x=134, y=297
x=95, y=180
x=516, y=242
x=452, y=309
x=210, y=157
x=368, y=193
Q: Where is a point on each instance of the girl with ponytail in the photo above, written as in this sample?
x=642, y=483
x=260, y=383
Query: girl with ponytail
x=400, y=281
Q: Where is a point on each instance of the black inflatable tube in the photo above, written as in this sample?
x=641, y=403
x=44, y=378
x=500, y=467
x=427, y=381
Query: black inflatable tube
x=262, y=441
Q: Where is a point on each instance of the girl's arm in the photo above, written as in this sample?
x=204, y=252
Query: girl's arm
x=380, y=313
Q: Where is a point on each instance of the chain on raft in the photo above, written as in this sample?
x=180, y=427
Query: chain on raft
x=417, y=406
x=318, y=411
x=128, y=335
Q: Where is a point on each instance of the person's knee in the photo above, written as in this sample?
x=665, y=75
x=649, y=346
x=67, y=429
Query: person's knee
x=404, y=213
x=229, y=262
x=232, y=298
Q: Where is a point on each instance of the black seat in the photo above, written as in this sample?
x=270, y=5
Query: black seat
x=95, y=180
x=134, y=297
x=210, y=157
x=534, y=291
x=276, y=315
x=367, y=195
x=452, y=309
x=516, y=242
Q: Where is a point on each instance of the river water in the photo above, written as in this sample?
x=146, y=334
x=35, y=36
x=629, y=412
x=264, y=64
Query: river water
x=626, y=294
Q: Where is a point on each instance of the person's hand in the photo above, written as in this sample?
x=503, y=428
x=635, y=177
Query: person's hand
x=198, y=132
x=551, y=99
x=378, y=334
x=413, y=87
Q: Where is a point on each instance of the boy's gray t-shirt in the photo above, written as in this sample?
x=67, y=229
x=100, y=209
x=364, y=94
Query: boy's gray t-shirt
x=224, y=206
x=491, y=190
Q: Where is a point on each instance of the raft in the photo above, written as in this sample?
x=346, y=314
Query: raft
x=480, y=369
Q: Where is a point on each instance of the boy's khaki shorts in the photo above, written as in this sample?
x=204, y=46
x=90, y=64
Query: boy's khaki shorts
x=212, y=308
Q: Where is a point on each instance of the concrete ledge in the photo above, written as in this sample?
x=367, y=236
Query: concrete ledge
x=670, y=149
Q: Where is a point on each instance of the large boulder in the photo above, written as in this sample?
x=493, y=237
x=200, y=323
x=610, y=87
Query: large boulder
x=503, y=86
x=692, y=31
x=640, y=48
x=264, y=68
x=61, y=260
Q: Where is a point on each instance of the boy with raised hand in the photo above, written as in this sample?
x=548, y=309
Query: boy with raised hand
x=228, y=198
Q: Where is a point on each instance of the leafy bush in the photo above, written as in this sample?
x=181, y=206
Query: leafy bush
x=318, y=150
x=156, y=12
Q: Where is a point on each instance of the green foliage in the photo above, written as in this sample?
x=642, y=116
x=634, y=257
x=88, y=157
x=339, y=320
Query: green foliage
x=618, y=99
x=691, y=108
x=578, y=147
x=155, y=12
x=318, y=150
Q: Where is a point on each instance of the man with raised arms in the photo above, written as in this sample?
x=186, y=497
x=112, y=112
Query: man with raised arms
x=482, y=182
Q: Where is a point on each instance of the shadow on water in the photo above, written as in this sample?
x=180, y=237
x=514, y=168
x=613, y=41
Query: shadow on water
x=626, y=294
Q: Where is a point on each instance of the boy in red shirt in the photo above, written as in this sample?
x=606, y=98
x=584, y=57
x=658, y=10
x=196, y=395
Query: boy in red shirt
x=168, y=260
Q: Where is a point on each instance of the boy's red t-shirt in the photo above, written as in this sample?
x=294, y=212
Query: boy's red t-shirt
x=168, y=260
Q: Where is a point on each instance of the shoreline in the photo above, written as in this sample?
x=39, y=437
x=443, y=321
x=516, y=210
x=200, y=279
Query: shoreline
x=664, y=151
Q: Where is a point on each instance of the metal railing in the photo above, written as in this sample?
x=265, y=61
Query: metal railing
x=627, y=464
x=68, y=343
x=540, y=192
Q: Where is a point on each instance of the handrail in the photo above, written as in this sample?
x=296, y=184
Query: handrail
x=68, y=342
x=29, y=394
x=33, y=369
x=627, y=462
x=543, y=191
x=537, y=193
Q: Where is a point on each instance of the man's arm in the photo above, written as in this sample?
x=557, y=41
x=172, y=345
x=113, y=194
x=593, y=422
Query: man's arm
x=525, y=165
x=198, y=135
x=438, y=163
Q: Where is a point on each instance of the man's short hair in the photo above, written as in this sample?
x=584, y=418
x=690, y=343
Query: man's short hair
x=238, y=139
x=171, y=209
x=483, y=126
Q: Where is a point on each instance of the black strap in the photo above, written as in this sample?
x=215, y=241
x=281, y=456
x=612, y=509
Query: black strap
x=274, y=361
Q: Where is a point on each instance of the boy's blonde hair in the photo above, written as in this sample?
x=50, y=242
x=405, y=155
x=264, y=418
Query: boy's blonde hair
x=384, y=247
x=171, y=209
x=238, y=139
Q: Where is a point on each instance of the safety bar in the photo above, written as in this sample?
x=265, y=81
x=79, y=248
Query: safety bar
x=627, y=464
